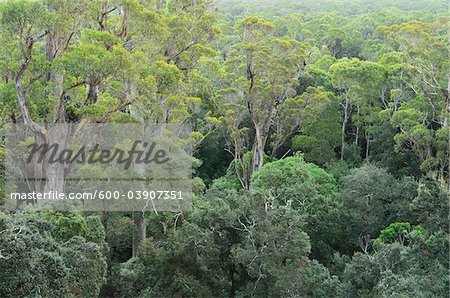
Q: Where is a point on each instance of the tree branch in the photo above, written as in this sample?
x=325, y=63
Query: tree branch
x=21, y=92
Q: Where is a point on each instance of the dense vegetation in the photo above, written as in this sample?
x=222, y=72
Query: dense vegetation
x=321, y=136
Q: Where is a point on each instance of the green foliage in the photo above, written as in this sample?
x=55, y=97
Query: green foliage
x=86, y=264
x=273, y=255
x=311, y=191
x=35, y=263
x=384, y=153
x=430, y=205
x=292, y=179
x=320, y=126
x=339, y=169
x=119, y=236
x=397, y=231
x=394, y=231
x=16, y=13
x=67, y=225
x=395, y=270
x=376, y=196
x=276, y=92
x=352, y=155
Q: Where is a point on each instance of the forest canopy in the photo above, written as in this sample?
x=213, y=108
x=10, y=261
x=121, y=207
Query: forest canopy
x=321, y=145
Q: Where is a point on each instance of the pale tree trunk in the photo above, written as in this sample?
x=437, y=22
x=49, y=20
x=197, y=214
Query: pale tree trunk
x=446, y=124
x=53, y=48
x=139, y=232
x=357, y=128
x=343, y=140
x=344, y=126
x=56, y=134
x=36, y=170
x=262, y=129
x=257, y=153
x=55, y=172
x=258, y=150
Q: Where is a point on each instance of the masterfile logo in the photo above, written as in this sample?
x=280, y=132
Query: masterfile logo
x=92, y=167
x=84, y=155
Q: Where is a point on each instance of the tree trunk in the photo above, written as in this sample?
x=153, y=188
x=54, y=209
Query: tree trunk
x=139, y=232
x=53, y=43
x=93, y=93
x=357, y=128
x=446, y=124
x=258, y=151
x=55, y=172
x=231, y=280
x=344, y=126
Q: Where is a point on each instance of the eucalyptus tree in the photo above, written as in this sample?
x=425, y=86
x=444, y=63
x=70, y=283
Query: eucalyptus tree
x=359, y=83
x=265, y=70
x=95, y=62
x=423, y=120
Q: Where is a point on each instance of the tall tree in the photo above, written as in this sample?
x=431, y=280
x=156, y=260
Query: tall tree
x=359, y=83
x=266, y=69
